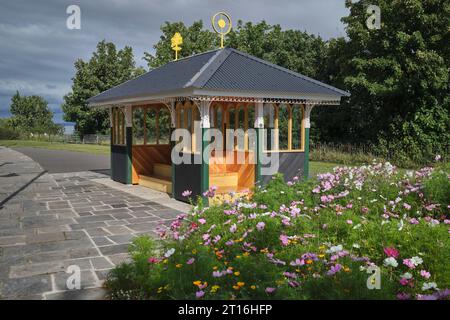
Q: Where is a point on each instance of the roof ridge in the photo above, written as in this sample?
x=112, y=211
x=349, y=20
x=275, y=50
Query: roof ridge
x=208, y=69
x=293, y=73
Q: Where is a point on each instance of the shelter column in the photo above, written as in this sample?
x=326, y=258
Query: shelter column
x=307, y=126
x=172, y=142
x=111, y=139
x=205, y=125
x=259, y=128
x=128, y=110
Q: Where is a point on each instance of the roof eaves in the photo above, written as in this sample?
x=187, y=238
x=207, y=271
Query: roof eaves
x=296, y=74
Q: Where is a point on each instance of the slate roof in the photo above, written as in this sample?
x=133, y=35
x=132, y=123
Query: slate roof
x=224, y=69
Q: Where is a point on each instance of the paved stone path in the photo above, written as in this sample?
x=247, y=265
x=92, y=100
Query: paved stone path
x=49, y=222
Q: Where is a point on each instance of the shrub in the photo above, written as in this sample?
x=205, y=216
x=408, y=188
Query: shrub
x=304, y=240
x=7, y=133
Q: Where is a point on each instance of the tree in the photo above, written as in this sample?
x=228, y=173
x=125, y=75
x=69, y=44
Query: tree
x=106, y=69
x=30, y=114
x=292, y=49
x=398, y=76
x=195, y=40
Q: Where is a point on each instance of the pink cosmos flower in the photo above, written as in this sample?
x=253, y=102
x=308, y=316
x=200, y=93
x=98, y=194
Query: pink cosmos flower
x=153, y=260
x=270, y=290
x=260, y=226
x=202, y=221
x=199, y=294
x=186, y=193
x=334, y=269
x=391, y=252
x=409, y=263
x=349, y=222
x=190, y=261
x=425, y=274
x=284, y=239
x=404, y=282
x=413, y=221
x=406, y=206
x=364, y=210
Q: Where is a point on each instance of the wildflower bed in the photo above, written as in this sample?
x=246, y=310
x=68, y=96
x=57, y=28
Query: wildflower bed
x=319, y=239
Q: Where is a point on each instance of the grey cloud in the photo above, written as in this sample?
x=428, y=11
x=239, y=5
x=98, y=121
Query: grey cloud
x=37, y=51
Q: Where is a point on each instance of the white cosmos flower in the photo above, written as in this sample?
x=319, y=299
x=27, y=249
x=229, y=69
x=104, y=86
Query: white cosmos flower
x=390, y=262
x=406, y=275
x=429, y=285
x=169, y=252
x=416, y=260
x=335, y=249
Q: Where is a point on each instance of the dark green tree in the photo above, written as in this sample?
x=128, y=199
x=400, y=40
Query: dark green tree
x=398, y=76
x=107, y=68
x=292, y=49
x=30, y=114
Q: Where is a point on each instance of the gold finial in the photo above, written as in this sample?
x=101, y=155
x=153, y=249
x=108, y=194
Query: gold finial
x=177, y=40
x=221, y=23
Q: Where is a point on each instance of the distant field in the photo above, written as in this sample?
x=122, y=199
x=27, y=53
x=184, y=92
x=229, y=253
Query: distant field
x=315, y=166
x=89, y=148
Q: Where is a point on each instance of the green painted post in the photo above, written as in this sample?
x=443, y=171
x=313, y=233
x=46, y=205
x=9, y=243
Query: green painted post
x=205, y=163
x=129, y=146
x=172, y=165
x=259, y=143
x=306, y=161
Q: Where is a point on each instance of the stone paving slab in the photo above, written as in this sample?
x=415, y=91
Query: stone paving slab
x=49, y=222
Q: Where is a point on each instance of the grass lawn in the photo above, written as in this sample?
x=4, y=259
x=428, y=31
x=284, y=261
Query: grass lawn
x=90, y=148
x=316, y=167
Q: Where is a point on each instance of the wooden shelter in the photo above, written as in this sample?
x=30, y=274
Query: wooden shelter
x=220, y=89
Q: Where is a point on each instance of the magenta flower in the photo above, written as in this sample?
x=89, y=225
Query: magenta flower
x=199, y=294
x=153, y=260
x=190, y=261
x=413, y=221
x=364, y=210
x=391, y=252
x=270, y=290
x=404, y=281
x=202, y=221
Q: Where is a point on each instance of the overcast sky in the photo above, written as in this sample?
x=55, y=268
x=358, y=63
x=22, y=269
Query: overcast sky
x=37, y=51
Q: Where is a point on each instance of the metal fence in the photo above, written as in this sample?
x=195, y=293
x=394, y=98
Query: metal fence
x=74, y=138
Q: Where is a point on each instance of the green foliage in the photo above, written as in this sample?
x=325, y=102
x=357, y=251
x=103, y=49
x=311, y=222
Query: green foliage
x=222, y=252
x=437, y=188
x=398, y=77
x=291, y=49
x=342, y=153
x=106, y=68
x=31, y=115
x=6, y=131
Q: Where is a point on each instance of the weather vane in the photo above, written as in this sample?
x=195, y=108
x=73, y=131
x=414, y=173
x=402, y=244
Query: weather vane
x=177, y=40
x=221, y=23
